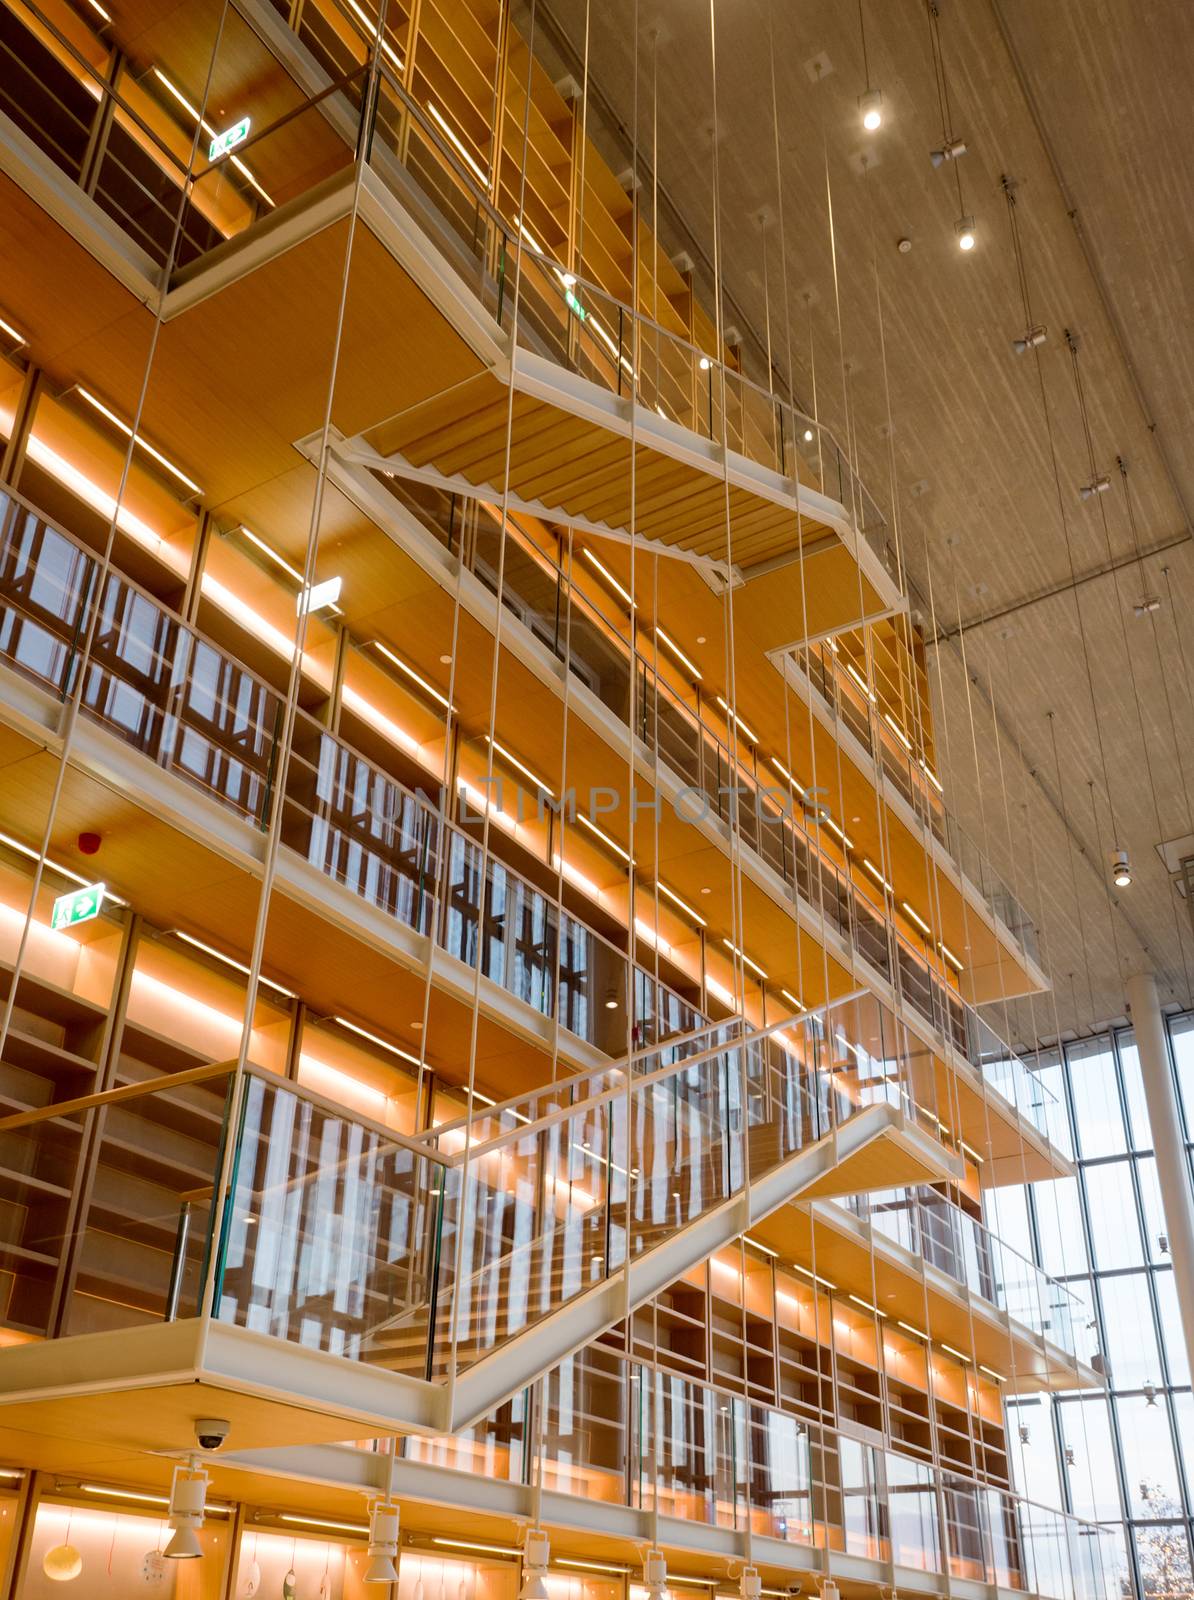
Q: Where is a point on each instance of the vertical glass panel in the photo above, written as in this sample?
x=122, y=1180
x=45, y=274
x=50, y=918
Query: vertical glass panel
x=1156, y=1234
x=1047, y=1067
x=1164, y=1556
x=1139, y=1131
x=1114, y=1225
x=912, y=1506
x=1005, y=1211
x=1150, y=1472
x=585, y=1426
x=1097, y=1114
x=1032, y=1449
x=1059, y=1227
x=1172, y=1336
x=1091, y=1475
x=1131, y=1339
x=1181, y=1038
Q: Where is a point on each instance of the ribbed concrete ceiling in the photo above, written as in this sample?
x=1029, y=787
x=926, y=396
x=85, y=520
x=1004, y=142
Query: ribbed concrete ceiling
x=1085, y=105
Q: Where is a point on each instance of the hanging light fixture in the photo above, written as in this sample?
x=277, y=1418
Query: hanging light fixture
x=964, y=228
x=383, y=1542
x=536, y=1553
x=1099, y=484
x=655, y=1574
x=1121, y=869
x=952, y=150
x=1030, y=339
x=188, y=1501
x=870, y=102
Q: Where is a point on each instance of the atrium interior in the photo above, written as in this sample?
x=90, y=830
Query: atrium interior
x=596, y=858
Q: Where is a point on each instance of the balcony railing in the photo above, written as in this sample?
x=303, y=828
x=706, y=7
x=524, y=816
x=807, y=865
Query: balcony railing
x=183, y=703
x=823, y=671
x=928, y=1225
x=620, y=1433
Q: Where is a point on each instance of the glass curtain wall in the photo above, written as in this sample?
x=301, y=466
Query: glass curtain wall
x=1127, y=1455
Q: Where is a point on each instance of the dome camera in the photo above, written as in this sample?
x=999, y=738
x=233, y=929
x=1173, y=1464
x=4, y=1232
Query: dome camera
x=211, y=1432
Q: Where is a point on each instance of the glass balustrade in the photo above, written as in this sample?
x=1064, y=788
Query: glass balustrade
x=423, y=1255
x=187, y=706
x=927, y=1224
x=622, y=1433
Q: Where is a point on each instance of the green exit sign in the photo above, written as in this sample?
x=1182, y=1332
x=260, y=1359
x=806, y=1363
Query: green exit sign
x=229, y=139
x=80, y=905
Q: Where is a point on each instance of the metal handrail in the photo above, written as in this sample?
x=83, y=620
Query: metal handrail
x=111, y=1097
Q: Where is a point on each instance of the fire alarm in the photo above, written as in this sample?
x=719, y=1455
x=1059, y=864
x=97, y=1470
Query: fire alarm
x=89, y=843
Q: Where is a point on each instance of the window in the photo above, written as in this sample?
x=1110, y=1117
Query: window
x=1114, y=1225
x=1150, y=1472
x=1131, y=1339
x=1164, y=1557
x=1095, y=1093
x=1086, y=1432
x=1172, y=1335
x=1129, y=1067
x=1059, y=1226
x=1181, y=1037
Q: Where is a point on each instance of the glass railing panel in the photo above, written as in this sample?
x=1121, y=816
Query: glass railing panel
x=966, y=1540
x=778, y=1493
x=494, y=1448
x=332, y=1233
x=46, y=582
x=1005, y=1558
x=588, y=1425
x=912, y=1511
x=857, y=1515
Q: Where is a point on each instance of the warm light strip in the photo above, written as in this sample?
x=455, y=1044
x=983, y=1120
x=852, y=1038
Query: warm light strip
x=459, y=145
x=839, y=833
x=792, y=1000
x=65, y=872
x=991, y=1373
x=897, y=730
x=603, y=570
x=387, y=49
x=917, y=918
x=908, y=1328
x=540, y=783
x=669, y=643
x=99, y=10
x=268, y=550
x=683, y=904
x=860, y=680
x=610, y=844
x=745, y=726
x=783, y=771
x=7, y=327
x=753, y=965
x=576, y=876
x=415, y=677
x=319, y=1522
x=808, y=1273
x=231, y=961
x=138, y=440
x=865, y=1304
x=192, y=111
x=877, y=875
x=765, y=1248
x=949, y=956
x=139, y=1494
x=590, y=1566
x=971, y=1152
x=932, y=777
x=607, y=340
x=485, y=1549
x=950, y=1351
x=382, y=1044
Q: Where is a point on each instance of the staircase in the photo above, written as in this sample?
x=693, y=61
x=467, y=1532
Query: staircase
x=364, y=1282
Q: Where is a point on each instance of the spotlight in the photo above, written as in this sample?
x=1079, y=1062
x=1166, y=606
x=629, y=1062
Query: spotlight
x=536, y=1554
x=1098, y=485
x=1035, y=336
x=808, y=436
x=188, y=1499
x=1121, y=871
x=870, y=105
x=383, y=1543
x=948, y=152
x=1148, y=604
x=704, y=363
x=611, y=999
x=1150, y=1394
x=655, y=1575
x=964, y=228
x=1025, y=1436
x=750, y=1585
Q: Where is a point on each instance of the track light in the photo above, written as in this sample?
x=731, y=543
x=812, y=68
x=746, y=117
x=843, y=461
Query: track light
x=188, y=1500
x=536, y=1554
x=1121, y=871
x=964, y=228
x=1034, y=336
x=1098, y=485
x=750, y=1585
x=383, y=1543
x=1145, y=606
x=948, y=152
x=655, y=1575
x=870, y=105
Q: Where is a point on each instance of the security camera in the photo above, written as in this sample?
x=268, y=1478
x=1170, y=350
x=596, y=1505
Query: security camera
x=211, y=1432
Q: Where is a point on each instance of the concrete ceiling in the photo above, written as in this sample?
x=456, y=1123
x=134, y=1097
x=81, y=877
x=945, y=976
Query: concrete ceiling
x=1084, y=104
